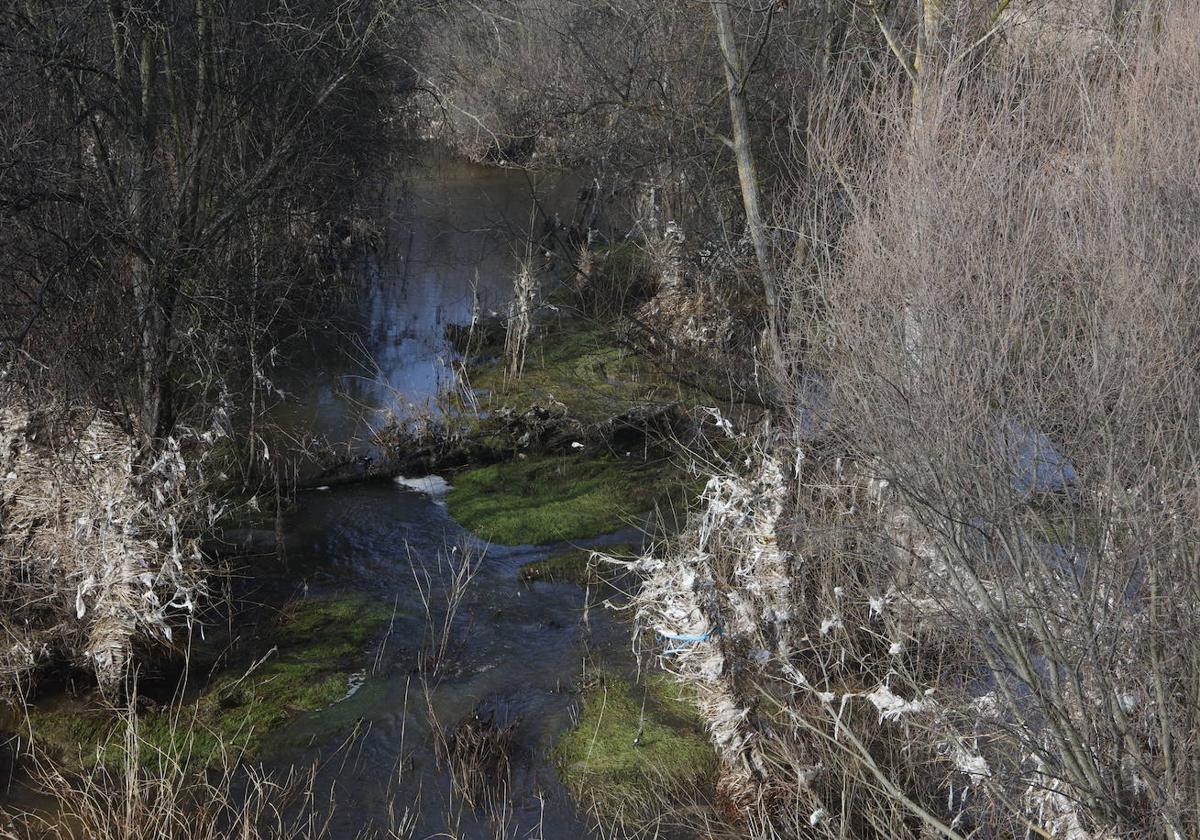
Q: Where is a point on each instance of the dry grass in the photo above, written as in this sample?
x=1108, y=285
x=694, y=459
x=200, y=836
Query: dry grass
x=150, y=794
x=98, y=554
x=1010, y=302
x=476, y=754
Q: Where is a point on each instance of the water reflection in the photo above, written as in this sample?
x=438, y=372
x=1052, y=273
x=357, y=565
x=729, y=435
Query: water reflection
x=455, y=233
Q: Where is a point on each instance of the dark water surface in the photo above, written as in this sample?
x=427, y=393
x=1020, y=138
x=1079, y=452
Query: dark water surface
x=455, y=233
x=515, y=649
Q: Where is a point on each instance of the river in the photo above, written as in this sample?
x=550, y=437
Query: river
x=514, y=651
x=516, y=648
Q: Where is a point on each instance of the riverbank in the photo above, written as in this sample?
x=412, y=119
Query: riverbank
x=590, y=434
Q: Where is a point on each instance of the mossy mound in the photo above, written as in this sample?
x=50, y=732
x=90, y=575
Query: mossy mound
x=571, y=565
x=545, y=499
x=580, y=368
x=318, y=642
x=632, y=743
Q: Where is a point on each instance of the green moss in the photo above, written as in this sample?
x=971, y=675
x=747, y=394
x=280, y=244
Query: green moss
x=584, y=379
x=571, y=565
x=628, y=742
x=673, y=697
x=545, y=499
x=580, y=368
x=317, y=641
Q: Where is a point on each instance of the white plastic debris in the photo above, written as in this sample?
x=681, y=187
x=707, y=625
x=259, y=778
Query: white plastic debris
x=892, y=707
x=973, y=765
x=833, y=622
x=721, y=422
x=84, y=589
x=430, y=485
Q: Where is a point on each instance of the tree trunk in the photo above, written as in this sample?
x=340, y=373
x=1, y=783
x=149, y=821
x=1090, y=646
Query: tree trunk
x=153, y=285
x=747, y=174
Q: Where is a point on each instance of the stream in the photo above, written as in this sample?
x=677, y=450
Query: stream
x=515, y=649
x=511, y=652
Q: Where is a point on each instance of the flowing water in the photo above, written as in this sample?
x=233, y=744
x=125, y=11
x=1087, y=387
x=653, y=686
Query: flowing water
x=516, y=649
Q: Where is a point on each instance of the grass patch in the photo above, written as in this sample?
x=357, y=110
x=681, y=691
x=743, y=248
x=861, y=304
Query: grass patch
x=630, y=742
x=545, y=499
x=572, y=565
x=319, y=641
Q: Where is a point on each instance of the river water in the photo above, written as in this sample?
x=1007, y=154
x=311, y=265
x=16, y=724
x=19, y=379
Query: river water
x=516, y=649
x=453, y=235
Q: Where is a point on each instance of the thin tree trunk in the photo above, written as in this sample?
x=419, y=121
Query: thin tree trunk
x=928, y=35
x=747, y=174
x=153, y=287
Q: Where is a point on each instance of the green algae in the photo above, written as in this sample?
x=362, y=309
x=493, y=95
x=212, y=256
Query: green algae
x=632, y=741
x=549, y=498
x=317, y=643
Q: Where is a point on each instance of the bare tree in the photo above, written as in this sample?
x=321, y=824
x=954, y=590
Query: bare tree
x=163, y=165
x=1031, y=444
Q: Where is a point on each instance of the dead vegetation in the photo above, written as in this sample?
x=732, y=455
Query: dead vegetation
x=961, y=603
x=1015, y=323
x=476, y=754
x=953, y=593
x=99, y=556
x=151, y=793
